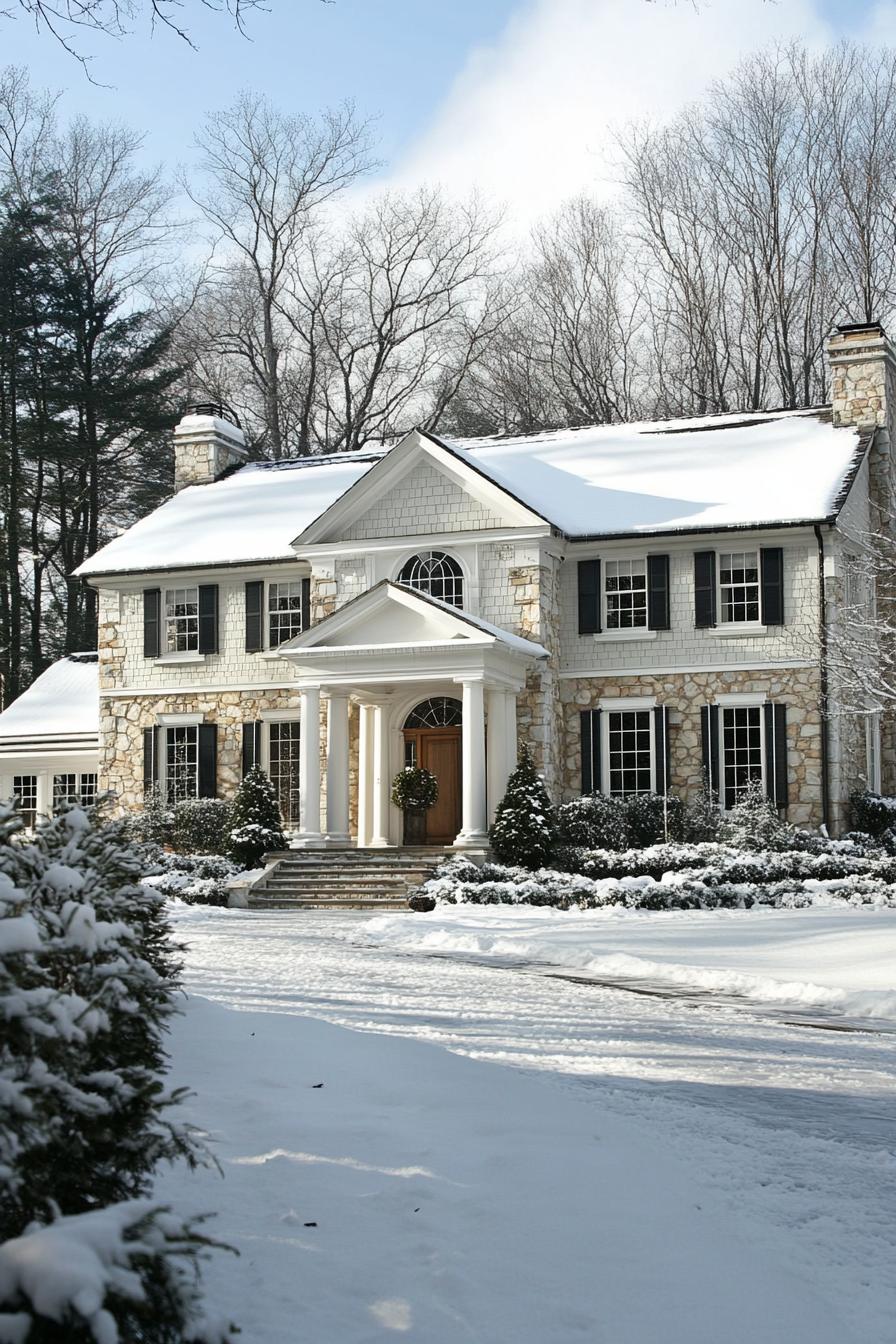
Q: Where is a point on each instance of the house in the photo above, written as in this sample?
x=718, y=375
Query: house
x=49, y=738
x=646, y=605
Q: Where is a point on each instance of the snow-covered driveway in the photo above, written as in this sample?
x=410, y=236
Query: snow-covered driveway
x=708, y=1161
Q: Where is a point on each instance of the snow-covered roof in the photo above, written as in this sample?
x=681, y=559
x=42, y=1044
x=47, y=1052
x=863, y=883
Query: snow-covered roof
x=650, y=476
x=62, y=703
x=714, y=471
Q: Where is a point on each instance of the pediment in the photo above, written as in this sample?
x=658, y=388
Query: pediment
x=421, y=487
x=388, y=616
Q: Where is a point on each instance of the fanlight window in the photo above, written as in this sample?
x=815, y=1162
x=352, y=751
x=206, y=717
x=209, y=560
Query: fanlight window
x=437, y=574
x=439, y=712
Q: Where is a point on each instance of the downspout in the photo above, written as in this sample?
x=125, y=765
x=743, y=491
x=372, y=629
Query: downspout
x=823, y=676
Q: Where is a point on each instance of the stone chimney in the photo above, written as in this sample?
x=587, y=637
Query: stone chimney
x=206, y=442
x=863, y=395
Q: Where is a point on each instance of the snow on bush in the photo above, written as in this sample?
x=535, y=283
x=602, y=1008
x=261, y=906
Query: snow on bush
x=872, y=813
x=668, y=877
x=257, y=824
x=196, y=879
x=88, y=986
x=122, y=1273
x=523, y=829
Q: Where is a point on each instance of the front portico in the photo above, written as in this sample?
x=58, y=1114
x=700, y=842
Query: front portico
x=390, y=651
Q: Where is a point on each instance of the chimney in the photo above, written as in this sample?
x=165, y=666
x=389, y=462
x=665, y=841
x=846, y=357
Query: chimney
x=206, y=442
x=863, y=395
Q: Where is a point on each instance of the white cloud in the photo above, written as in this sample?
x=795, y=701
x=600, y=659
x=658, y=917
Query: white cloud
x=527, y=119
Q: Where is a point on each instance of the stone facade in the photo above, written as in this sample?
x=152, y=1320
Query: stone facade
x=683, y=694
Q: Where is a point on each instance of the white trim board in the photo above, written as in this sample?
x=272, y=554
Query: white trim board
x=686, y=670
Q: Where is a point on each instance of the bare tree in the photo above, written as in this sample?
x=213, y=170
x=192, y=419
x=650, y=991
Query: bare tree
x=267, y=176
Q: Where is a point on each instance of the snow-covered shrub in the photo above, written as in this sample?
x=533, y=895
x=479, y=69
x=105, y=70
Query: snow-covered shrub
x=523, y=829
x=702, y=818
x=197, y=879
x=651, y=817
x=257, y=827
x=753, y=823
x=122, y=1273
x=594, y=821
x=872, y=813
x=155, y=824
x=203, y=826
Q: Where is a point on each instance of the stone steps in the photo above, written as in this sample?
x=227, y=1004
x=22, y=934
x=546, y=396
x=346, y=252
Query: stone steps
x=344, y=879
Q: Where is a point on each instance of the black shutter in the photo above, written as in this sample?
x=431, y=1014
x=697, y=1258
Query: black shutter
x=589, y=597
x=709, y=725
x=591, y=759
x=771, y=568
x=152, y=622
x=254, y=616
x=658, y=592
x=151, y=744
x=776, y=754
x=661, y=735
x=208, y=619
x=306, y=604
x=251, y=745
x=704, y=589
x=208, y=760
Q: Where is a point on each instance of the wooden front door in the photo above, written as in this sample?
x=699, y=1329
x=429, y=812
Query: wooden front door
x=438, y=750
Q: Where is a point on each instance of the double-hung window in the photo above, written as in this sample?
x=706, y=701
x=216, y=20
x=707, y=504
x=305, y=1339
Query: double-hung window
x=629, y=752
x=742, y=750
x=625, y=592
x=24, y=788
x=73, y=787
x=181, y=761
x=739, y=586
x=284, y=611
x=283, y=749
x=182, y=620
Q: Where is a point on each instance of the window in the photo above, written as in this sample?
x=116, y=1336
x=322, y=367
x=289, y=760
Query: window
x=440, y=711
x=739, y=586
x=872, y=752
x=74, y=788
x=437, y=575
x=182, y=620
x=284, y=767
x=284, y=611
x=181, y=763
x=741, y=750
x=626, y=594
x=24, y=788
x=629, y=752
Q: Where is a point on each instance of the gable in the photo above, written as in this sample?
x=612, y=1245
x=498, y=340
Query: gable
x=424, y=501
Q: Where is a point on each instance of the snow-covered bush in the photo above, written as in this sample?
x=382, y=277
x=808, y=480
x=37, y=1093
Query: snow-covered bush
x=753, y=823
x=523, y=829
x=88, y=985
x=872, y=813
x=651, y=817
x=257, y=827
x=594, y=821
x=702, y=818
x=197, y=879
x=155, y=824
x=128, y=1272
x=203, y=826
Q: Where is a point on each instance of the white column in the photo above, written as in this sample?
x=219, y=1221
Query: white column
x=380, y=837
x=365, y=774
x=309, y=769
x=473, y=829
x=511, y=745
x=496, y=751
x=337, y=768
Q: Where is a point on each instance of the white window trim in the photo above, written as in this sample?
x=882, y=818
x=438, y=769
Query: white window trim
x=166, y=721
x=623, y=632
x=644, y=705
x=272, y=650
x=735, y=701
x=469, y=578
x=167, y=655
x=735, y=628
x=281, y=715
x=627, y=702
x=191, y=656
x=179, y=720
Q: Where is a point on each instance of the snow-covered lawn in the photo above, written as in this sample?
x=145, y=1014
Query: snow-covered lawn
x=836, y=959
x=499, y=1155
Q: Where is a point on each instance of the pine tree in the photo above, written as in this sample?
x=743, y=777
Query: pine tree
x=257, y=824
x=523, y=829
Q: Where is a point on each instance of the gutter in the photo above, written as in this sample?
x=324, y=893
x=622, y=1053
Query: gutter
x=823, y=674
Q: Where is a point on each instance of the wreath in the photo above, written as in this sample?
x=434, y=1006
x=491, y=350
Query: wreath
x=414, y=789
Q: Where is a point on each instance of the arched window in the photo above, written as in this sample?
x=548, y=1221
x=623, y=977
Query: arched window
x=436, y=574
x=440, y=711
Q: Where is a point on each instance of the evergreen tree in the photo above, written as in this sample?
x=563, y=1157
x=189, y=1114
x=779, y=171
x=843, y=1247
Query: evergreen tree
x=257, y=823
x=523, y=829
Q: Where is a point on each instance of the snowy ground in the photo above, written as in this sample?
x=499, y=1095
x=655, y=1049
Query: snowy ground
x=547, y=1161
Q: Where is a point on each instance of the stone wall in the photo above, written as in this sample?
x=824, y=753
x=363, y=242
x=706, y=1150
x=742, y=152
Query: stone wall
x=684, y=694
x=536, y=608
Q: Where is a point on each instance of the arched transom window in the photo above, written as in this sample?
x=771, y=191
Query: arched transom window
x=436, y=574
x=440, y=711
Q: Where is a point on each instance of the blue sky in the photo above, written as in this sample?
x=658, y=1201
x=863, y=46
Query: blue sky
x=510, y=96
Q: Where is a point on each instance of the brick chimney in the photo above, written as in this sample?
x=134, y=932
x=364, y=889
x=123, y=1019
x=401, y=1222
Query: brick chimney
x=206, y=442
x=863, y=395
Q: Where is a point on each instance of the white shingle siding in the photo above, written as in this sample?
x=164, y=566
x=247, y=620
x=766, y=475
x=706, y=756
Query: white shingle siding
x=424, y=501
